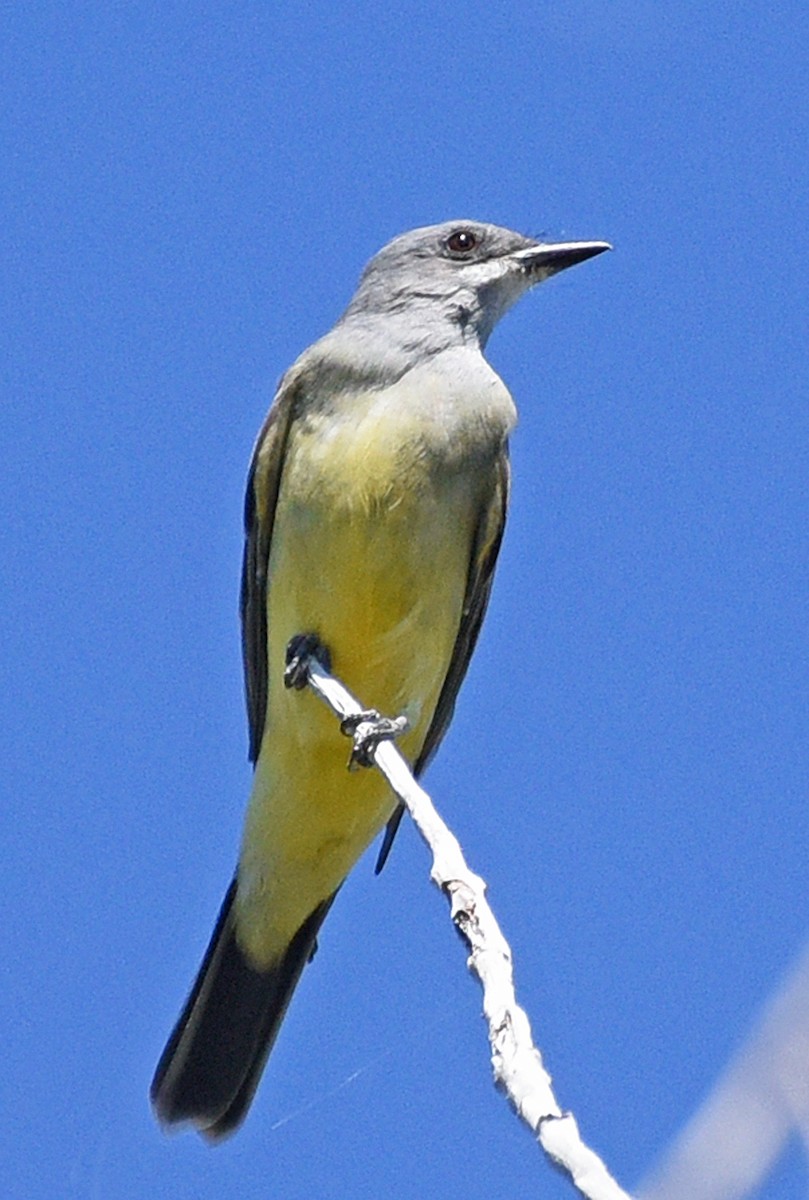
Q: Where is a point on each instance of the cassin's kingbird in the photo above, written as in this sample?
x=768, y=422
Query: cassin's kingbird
x=375, y=508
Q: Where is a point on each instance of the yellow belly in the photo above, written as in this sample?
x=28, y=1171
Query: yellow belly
x=381, y=582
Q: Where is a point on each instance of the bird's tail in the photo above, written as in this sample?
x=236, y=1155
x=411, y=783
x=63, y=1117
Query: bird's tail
x=213, y=1060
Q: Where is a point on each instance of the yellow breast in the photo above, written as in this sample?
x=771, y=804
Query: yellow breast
x=370, y=551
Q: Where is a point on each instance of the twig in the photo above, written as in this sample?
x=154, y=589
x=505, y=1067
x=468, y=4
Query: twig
x=731, y=1144
x=518, y=1069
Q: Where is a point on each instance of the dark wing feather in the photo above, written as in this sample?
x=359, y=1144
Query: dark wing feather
x=485, y=548
x=263, y=483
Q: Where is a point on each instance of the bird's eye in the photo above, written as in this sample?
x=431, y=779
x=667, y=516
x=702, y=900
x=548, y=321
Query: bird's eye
x=462, y=241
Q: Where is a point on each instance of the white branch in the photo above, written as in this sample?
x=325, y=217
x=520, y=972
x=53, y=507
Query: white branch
x=518, y=1069
x=731, y=1144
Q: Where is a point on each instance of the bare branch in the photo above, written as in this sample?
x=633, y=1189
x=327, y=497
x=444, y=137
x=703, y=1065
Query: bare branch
x=518, y=1069
x=732, y=1142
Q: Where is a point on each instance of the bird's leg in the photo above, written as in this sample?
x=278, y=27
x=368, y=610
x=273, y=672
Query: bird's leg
x=301, y=649
x=368, y=729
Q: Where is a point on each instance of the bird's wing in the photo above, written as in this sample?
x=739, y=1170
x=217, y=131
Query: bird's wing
x=485, y=547
x=263, y=483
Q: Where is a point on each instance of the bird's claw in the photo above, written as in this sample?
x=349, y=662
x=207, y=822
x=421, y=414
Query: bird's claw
x=367, y=729
x=300, y=651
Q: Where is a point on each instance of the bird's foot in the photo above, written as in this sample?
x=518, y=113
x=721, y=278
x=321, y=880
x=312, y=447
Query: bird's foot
x=301, y=649
x=368, y=729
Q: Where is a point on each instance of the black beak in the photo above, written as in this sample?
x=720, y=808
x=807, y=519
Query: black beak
x=545, y=260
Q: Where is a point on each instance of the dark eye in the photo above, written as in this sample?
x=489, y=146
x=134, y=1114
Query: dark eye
x=461, y=241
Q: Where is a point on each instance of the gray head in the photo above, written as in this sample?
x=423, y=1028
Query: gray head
x=462, y=273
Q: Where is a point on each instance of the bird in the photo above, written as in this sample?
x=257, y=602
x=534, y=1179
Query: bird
x=374, y=512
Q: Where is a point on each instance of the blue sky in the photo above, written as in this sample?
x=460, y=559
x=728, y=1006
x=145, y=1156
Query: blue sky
x=187, y=197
